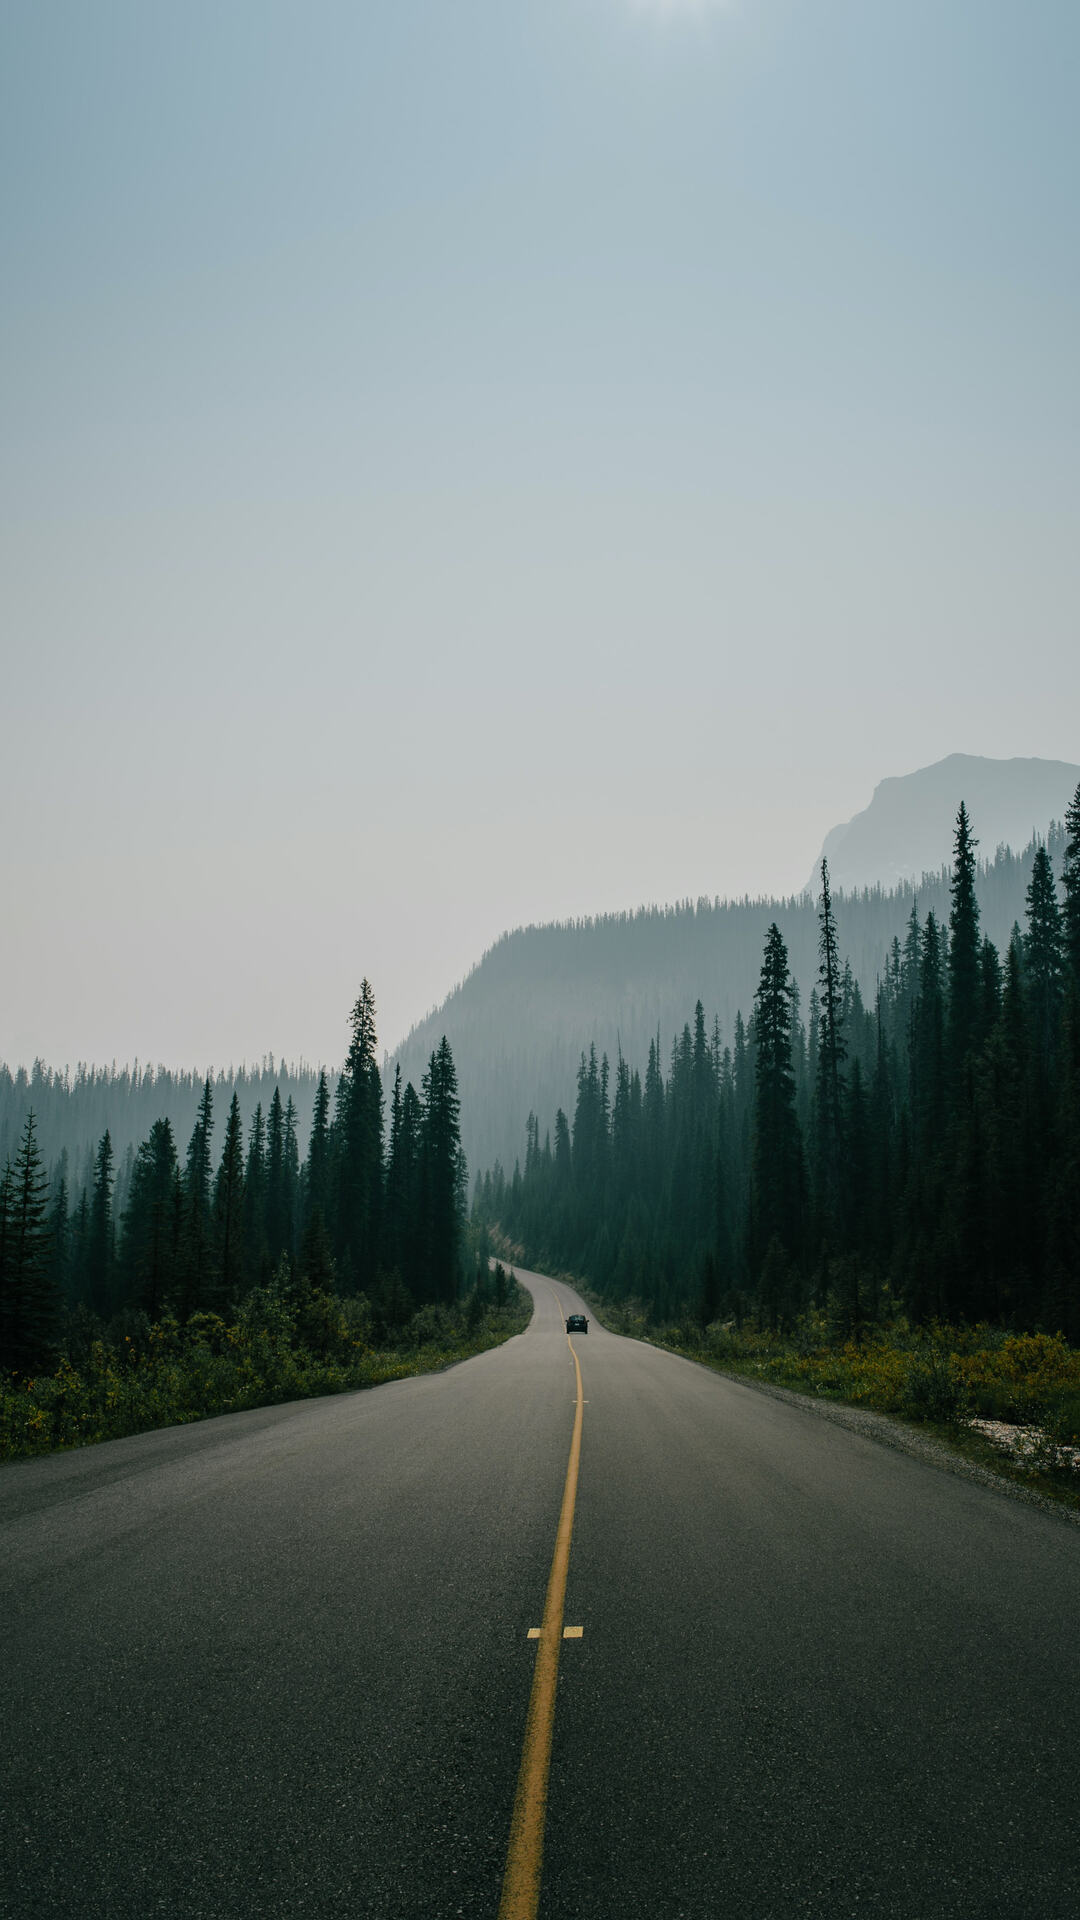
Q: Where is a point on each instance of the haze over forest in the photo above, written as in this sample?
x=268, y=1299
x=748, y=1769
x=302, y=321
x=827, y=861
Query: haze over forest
x=489, y=495
x=471, y=467
x=542, y=995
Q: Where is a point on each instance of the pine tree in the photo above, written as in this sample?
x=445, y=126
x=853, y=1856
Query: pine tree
x=828, y=1093
x=624, y=1134
x=1061, y=1306
x=563, y=1152
x=927, y=1053
x=275, y=1215
x=1044, y=966
x=442, y=1174
x=401, y=1166
x=100, y=1261
x=1071, y=888
x=963, y=1028
x=229, y=1208
x=411, y=1223
x=256, y=1251
x=702, y=1083
x=883, y=1119
x=60, y=1227
x=1007, y=1278
x=197, y=1280
x=148, y=1241
x=318, y=1160
x=358, y=1124
x=291, y=1177
x=29, y=1304
x=776, y=1185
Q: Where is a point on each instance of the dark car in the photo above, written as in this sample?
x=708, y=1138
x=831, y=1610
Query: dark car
x=577, y=1323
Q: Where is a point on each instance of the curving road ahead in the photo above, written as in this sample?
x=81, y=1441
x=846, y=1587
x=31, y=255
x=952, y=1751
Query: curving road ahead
x=278, y=1664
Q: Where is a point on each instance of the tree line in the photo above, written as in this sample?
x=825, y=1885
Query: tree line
x=73, y=1108
x=923, y=1149
x=362, y=1211
x=518, y=1023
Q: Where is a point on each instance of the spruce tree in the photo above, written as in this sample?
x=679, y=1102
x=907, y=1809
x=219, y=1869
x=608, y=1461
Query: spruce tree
x=399, y=1184
x=229, y=1208
x=60, y=1230
x=291, y=1177
x=1003, y=1077
x=197, y=1280
x=358, y=1126
x=256, y=1252
x=828, y=1093
x=776, y=1184
x=29, y=1304
x=1071, y=888
x=563, y=1159
x=927, y=1053
x=147, y=1242
x=274, y=1217
x=318, y=1160
x=411, y=1225
x=442, y=1174
x=963, y=1026
x=100, y=1247
x=1061, y=1302
x=1044, y=966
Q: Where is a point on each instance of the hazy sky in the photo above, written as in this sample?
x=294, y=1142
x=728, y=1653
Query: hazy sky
x=475, y=461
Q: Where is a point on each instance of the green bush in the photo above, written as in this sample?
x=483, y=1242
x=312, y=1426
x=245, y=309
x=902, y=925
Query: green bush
x=283, y=1344
x=934, y=1388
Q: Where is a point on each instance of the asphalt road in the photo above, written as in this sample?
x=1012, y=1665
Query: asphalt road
x=277, y=1664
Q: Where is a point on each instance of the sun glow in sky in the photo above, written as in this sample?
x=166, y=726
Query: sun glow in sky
x=677, y=9
x=471, y=465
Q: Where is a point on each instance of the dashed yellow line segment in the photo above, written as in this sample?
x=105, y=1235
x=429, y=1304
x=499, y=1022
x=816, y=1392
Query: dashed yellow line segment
x=525, y=1855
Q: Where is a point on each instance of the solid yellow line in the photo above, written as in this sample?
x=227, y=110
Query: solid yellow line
x=525, y=1855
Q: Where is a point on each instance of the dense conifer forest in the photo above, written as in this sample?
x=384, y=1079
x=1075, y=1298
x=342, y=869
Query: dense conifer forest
x=921, y=1147
x=518, y=1023
x=72, y=1110
x=233, y=1213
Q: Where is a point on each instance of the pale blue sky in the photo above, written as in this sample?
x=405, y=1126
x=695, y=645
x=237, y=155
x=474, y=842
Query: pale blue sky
x=471, y=463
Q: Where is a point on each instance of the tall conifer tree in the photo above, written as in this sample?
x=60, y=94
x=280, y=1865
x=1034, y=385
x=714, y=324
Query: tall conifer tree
x=776, y=1188
x=964, y=970
x=100, y=1260
x=196, y=1257
x=229, y=1207
x=443, y=1173
x=148, y=1239
x=358, y=1125
x=29, y=1304
x=1044, y=961
x=1071, y=888
x=828, y=1099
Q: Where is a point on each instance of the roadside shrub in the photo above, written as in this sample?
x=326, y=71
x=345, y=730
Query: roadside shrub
x=934, y=1387
x=282, y=1344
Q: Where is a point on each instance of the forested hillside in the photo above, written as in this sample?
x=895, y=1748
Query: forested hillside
x=204, y=1225
x=922, y=1149
x=520, y=1020
x=73, y=1110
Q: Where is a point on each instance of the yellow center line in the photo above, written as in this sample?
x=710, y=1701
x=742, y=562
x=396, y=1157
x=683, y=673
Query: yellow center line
x=525, y=1855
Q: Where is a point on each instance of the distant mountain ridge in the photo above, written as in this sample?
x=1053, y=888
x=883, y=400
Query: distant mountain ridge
x=907, y=829
x=542, y=994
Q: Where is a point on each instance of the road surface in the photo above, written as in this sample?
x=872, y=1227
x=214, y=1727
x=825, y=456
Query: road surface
x=278, y=1664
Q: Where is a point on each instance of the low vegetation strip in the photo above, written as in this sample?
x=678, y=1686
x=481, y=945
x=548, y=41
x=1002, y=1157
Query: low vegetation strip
x=278, y=1347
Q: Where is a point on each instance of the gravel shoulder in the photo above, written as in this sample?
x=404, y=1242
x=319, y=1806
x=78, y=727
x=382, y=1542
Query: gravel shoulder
x=888, y=1431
